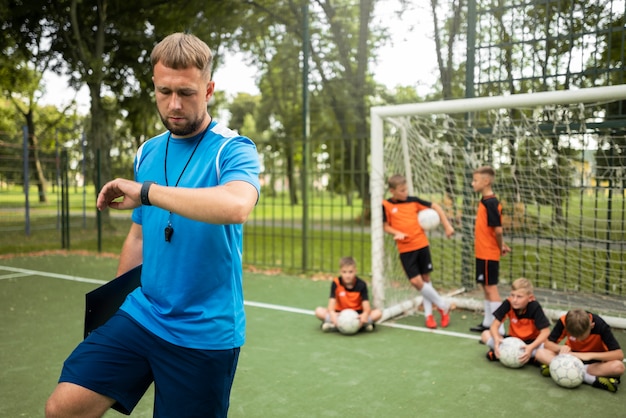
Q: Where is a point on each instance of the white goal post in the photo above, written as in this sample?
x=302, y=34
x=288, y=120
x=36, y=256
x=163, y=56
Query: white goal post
x=388, y=124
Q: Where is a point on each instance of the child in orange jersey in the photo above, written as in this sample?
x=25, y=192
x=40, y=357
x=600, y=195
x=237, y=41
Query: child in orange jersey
x=488, y=243
x=588, y=337
x=400, y=220
x=348, y=292
x=527, y=321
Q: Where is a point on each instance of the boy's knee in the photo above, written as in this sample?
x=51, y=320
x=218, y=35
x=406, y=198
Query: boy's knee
x=320, y=312
x=417, y=282
x=491, y=293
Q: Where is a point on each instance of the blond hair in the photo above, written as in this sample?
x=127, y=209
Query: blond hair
x=522, y=284
x=347, y=261
x=181, y=51
x=396, y=180
x=577, y=322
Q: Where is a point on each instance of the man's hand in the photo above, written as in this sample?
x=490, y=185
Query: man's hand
x=119, y=194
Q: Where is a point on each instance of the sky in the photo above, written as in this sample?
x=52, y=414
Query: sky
x=408, y=60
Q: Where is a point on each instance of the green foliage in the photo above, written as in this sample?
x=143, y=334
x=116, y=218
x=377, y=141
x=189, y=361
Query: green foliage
x=241, y=107
x=10, y=122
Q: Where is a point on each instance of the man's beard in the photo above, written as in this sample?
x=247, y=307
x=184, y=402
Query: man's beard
x=185, y=130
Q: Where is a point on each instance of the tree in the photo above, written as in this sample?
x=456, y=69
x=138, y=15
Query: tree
x=521, y=48
x=340, y=43
x=105, y=46
x=447, y=36
x=24, y=60
x=611, y=153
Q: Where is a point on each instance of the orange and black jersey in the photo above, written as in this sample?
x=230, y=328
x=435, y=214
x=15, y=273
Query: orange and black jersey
x=349, y=298
x=600, y=339
x=402, y=215
x=526, y=324
x=488, y=217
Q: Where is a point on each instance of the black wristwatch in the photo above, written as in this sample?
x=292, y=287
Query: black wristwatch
x=145, y=189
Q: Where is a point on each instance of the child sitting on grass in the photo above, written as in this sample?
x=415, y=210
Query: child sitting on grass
x=588, y=337
x=348, y=292
x=527, y=321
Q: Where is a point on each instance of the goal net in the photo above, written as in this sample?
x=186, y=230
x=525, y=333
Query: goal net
x=560, y=175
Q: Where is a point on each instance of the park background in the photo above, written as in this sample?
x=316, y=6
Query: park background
x=562, y=187
x=316, y=77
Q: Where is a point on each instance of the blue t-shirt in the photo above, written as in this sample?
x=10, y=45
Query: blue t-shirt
x=191, y=287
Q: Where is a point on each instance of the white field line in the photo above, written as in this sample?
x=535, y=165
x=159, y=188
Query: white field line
x=278, y=307
x=13, y=276
x=26, y=272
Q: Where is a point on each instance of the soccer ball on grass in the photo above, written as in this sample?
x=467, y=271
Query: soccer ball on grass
x=428, y=219
x=567, y=370
x=348, y=322
x=510, y=350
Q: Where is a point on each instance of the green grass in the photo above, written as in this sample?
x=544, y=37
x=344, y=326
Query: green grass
x=288, y=368
x=45, y=236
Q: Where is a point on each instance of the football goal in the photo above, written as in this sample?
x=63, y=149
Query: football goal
x=561, y=177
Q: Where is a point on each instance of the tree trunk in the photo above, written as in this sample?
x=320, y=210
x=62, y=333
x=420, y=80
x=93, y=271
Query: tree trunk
x=98, y=143
x=35, y=161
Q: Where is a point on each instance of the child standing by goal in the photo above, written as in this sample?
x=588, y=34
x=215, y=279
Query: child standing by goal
x=527, y=321
x=348, y=292
x=588, y=337
x=488, y=243
x=400, y=220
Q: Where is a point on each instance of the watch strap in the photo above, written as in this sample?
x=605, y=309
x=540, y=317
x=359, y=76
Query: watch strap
x=145, y=189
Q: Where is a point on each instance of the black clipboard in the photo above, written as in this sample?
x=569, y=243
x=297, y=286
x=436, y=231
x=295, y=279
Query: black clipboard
x=103, y=302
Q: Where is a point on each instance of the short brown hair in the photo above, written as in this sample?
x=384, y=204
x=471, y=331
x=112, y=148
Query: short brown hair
x=396, y=180
x=347, y=261
x=523, y=284
x=486, y=170
x=183, y=50
x=577, y=322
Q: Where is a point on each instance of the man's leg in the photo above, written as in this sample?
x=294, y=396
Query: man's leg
x=70, y=400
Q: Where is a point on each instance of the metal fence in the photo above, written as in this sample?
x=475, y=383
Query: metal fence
x=307, y=218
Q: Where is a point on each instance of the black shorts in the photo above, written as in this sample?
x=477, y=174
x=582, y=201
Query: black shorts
x=417, y=262
x=487, y=272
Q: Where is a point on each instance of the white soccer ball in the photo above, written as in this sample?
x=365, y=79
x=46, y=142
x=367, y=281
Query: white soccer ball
x=428, y=219
x=510, y=350
x=348, y=322
x=567, y=370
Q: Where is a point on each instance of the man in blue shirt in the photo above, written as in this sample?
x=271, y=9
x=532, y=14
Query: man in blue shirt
x=195, y=185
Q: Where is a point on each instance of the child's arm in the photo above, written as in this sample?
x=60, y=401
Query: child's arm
x=600, y=356
x=365, y=315
x=541, y=338
x=447, y=226
x=494, y=330
x=397, y=235
x=504, y=249
x=555, y=347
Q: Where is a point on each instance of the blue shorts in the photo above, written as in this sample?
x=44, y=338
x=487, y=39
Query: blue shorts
x=121, y=359
x=416, y=263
